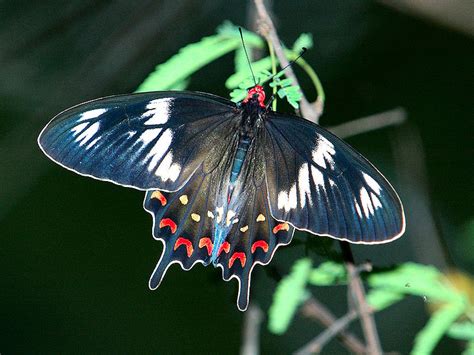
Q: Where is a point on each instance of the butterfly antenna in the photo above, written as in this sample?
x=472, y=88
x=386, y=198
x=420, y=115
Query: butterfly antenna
x=247, y=55
x=303, y=51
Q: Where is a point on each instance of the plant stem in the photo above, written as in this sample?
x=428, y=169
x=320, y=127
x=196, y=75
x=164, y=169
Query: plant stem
x=269, y=32
x=317, y=344
x=313, y=309
x=357, y=295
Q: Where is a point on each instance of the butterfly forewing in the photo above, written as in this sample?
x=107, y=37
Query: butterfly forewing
x=151, y=140
x=320, y=184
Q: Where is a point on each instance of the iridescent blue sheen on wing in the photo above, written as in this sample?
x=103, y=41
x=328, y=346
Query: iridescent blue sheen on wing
x=320, y=184
x=149, y=140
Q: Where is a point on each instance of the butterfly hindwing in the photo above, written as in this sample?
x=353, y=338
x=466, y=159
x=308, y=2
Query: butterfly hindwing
x=182, y=222
x=149, y=140
x=252, y=240
x=320, y=184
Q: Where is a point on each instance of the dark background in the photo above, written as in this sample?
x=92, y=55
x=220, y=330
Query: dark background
x=76, y=254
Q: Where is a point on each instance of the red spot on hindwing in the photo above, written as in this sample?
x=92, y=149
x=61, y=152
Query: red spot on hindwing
x=235, y=256
x=256, y=90
x=259, y=244
x=158, y=195
x=186, y=242
x=168, y=222
x=281, y=226
x=206, y=242
x=224, y=247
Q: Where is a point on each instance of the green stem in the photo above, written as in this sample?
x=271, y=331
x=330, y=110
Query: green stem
x=312, y=75
x=272, y=56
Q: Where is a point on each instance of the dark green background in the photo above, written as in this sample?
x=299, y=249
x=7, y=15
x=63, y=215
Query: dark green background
x=76, y=254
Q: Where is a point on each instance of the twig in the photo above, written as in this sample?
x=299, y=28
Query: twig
x=357, y=295
x=384, y=119
x=316, y=345
x=267, y=29
x=251, y=331
x=312, y=308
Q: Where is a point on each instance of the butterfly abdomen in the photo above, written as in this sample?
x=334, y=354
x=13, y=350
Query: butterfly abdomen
x=239, y=158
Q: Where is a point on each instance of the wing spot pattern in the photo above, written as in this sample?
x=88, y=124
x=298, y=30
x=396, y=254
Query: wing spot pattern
x=366, y=202
x=210, y=214
x=207, y=243
x=323, y=151
x=237, y=255
x=281, y=226
x=187, y=243
x=225, y=247
x=260, y=244
x=244, y=229
x=159, y=196
x=260, y=218
x=195, y=217
x=168, y=222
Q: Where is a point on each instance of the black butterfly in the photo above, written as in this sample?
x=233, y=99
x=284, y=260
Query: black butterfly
x=226, y=183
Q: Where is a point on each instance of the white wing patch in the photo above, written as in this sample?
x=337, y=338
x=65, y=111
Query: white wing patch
x=92, y=114
x=159, y=149
x=167, y=170
x=287, y=199
x=158, y=111
x=148, y=135
x=303, y=185
x=87, y=134
x=323, y=151
x=372, y=183
x=366, y=202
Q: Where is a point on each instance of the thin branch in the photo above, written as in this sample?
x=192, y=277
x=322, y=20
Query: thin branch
x=313, y=309
x=357, y=295
x=267, y=29
x=384, y=119
x=317, y=344
x=251, y=331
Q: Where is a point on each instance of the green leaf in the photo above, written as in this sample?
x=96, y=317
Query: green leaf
x=194, y=56
x=462, y=331
x=380, y=299
x=304, y=40
x=290, y=293
x=260, y=68
x=415, y=279
x=327, y=274
x=439, y=323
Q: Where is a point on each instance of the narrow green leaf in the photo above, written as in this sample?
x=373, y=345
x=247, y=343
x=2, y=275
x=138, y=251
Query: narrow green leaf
x=380, y=299
x=194, y=56
x=415, y=279
x=187, y=61
x=327, y=274
x=288, y=296
x=462, y=331
x=304, y=40
x=439, y=323
x=262, y=65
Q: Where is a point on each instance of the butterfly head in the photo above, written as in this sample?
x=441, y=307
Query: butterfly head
x=256, y=94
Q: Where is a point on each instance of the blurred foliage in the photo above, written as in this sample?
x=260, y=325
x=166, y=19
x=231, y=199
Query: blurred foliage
x=449, y=303
x=174, y=73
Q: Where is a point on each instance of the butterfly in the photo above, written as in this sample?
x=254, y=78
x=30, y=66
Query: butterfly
x=226, y=184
